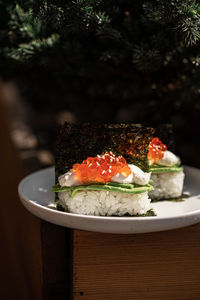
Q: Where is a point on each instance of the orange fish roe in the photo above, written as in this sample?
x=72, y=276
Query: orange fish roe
x=101, y=168
x=156, y=150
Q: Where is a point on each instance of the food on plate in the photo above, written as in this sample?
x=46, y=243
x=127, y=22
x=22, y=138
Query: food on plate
x=167, y=174
x=104, y=185
x=100, y=170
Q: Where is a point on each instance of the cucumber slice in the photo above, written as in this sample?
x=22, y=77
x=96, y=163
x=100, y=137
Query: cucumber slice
x=110, y=186
x=162, y=169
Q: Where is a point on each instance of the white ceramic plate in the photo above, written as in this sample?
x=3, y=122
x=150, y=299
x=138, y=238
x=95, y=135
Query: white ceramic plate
x=35, y=194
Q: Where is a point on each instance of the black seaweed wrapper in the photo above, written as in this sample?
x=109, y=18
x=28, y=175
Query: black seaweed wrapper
x=77, y=142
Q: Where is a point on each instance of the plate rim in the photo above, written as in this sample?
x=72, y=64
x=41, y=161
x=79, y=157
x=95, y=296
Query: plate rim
x=24, y=199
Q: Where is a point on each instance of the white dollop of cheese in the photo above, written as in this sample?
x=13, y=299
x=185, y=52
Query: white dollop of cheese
x=140, y=177
x=169, y=159
x=68, y=179
x=137, y=176
x=122, y=179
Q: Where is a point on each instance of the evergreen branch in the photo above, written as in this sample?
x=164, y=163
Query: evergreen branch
x=26, y=51
x=108, y=33
x=23, y=24
x=146, y=59
x=190, y=31
x=52, y=15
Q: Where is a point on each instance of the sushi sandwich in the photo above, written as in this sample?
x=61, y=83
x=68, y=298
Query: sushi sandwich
x=104, y=185
x=100, y=170
x=166, y=172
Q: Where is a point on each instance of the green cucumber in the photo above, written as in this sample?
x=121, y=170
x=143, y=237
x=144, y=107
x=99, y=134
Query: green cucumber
x=110, y=186
x=136, y=190
x=162, y=169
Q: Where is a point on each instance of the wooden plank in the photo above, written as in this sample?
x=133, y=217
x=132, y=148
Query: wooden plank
x=162, y=265
x=56, y=255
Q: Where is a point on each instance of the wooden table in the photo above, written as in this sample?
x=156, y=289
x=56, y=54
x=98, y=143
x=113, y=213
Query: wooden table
x=96, y=266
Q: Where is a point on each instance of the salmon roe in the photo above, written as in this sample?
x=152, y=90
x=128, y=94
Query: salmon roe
x=156, y=150
x=101, y=168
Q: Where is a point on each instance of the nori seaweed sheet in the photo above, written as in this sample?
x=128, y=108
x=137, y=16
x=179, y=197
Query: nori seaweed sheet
x=77, y=142
x=166, y=135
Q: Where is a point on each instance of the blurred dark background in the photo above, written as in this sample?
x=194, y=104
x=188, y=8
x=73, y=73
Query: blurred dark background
x=85, y=60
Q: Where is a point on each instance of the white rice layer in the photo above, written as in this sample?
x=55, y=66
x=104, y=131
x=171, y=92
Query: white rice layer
x=105, y=203
x=167, y=185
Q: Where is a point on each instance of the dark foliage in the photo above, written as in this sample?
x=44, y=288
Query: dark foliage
x=120, y=60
